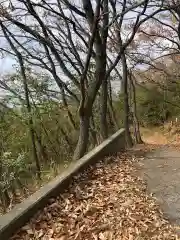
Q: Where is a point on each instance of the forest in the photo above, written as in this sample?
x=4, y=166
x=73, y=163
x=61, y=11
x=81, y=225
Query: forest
x=76, y=72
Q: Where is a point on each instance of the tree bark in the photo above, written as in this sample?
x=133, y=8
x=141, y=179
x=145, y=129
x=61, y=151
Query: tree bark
x=68, y=141
x=137, y=134
x=129, y=141
x=103, y=110
x=42, y=148
x=93, y=131
x=103, y=60
x=30, y=120
x=113, y=113
x=82, y=144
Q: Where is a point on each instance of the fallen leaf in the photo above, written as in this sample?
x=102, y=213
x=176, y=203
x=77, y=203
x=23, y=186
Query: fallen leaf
x=105, y=202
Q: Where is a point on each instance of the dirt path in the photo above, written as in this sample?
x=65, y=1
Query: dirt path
x=161, y=170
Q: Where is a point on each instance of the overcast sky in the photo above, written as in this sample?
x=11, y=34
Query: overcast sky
x=6, y=64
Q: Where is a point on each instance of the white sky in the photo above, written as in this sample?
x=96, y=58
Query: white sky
x=7, y=63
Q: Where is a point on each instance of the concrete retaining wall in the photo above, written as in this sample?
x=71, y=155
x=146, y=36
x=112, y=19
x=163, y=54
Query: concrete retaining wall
x=21, y=213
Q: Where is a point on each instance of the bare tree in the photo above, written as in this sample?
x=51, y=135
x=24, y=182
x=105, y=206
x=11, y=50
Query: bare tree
x=28, y=104
x=66, y=39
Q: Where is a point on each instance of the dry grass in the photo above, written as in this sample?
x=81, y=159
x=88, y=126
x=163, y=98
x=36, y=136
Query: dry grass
x=154, y=136
x=168, y=134
x=107, y=202
x=32, y=186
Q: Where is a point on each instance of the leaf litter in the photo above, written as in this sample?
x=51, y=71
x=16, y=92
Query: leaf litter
x=108, y=201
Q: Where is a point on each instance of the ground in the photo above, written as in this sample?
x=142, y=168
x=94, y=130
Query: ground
x=161, y=170
x=134, y=196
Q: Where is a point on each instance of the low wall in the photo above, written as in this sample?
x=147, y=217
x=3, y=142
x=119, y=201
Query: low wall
x=21, y=213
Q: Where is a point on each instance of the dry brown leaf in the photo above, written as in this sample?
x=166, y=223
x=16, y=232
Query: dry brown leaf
x=62, y=238
x=120, y=208
x=26, y=227
x=90, y=210
x=106, y=235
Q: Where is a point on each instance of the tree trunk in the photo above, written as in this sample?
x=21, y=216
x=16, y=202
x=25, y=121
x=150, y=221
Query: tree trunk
x=68, y=141
x=34, y=149
x=113, y=114
x=42, y=148
x=111, y=125
x=129, y=141
x=137, y=134
x=93, y=131
x=5, y=199
x=82, y=144
x=103, y=110
x=102, y=63
x=70, y=116
x=30, y=120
